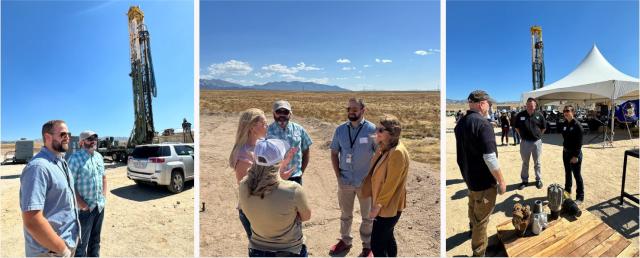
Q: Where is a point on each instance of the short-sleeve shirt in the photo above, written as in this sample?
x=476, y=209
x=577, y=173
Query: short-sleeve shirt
x=246, y=153
x=296, y=136
x=88, y=170
x=46, y=186
x=474, y=138
x=275, y=224
x=354, y=143
x=530, y=126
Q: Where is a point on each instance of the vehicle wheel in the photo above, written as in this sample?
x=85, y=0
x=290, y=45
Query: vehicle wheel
x=176, y=184
x=138, y=182
x=114, y=157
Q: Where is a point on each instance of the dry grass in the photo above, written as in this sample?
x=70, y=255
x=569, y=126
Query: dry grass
x=419, y=112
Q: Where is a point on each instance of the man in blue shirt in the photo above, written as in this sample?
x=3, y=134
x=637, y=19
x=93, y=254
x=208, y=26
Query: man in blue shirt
x=47, y=197
x=351, y=152
x=87, y=168
x=292, y=133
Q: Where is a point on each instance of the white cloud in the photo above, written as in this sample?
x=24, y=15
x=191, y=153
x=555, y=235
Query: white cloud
x=348, y=68
x=384, y=61
x=240, y=81
x=427, y=52
x=263, y=75
x=283, y=69
x=291, y=77
x=357, y=77
x=366, y=66
x=341, y=78
x=343, y=61
x=229, y=68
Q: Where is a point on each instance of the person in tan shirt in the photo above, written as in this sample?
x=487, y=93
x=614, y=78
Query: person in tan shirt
x=386, y=184
x=274, y=206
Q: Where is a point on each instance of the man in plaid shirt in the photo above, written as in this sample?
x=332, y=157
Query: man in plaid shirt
x=293, y=134
x=87, y=168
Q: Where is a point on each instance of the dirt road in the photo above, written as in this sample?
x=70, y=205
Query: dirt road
x=417, y=233
x=139, y=220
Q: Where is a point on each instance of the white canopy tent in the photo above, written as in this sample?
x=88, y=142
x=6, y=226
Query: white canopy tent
x=594, y=80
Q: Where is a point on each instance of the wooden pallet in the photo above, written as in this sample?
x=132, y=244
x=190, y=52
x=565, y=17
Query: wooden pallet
x=586, y=236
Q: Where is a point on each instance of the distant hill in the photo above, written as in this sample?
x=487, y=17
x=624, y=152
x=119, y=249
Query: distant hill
x=215, y=84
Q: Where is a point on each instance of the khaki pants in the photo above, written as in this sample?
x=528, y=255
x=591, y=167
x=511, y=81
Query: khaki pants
x=481, y=204
x=346, y=199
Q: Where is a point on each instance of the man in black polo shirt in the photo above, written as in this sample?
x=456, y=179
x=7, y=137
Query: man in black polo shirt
x=477, y=157
x=530, y=125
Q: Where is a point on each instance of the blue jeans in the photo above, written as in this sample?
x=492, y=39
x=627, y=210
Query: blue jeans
x=516, y=137
x=245, y=223
x=260, y=253
x=91, y=225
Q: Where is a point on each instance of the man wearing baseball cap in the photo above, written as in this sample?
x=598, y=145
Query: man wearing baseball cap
x=87, y=168
x=274, y=206
x=477, y=157
x=530, y=125
x=293, y=134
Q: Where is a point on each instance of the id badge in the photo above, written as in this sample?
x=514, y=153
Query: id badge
x=349, y=158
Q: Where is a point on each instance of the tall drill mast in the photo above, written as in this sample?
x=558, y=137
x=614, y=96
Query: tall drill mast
x=537, y=57
x=144, y=82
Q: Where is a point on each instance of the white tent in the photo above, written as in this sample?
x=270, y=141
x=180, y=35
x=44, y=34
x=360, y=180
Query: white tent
x=594, y=80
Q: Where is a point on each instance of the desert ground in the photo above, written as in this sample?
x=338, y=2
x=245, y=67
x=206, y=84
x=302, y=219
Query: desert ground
x=221, y=234
x=139, y=220
x=601, y=172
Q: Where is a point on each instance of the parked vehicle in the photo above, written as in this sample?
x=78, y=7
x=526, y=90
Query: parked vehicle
x=169, y=164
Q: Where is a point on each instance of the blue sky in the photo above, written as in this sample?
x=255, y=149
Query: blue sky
x=70, y=60
x=371, y=45
x=489, y=43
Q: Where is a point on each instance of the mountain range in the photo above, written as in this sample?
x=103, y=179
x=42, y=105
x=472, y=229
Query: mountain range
x=216, y=84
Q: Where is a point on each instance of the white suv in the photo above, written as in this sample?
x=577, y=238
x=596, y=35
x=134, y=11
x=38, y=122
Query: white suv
x=169, y=164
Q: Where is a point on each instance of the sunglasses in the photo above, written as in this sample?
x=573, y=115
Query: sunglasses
x=91, y=139
x=566, y=110
x=64, y=134
x=353, y=110
x=282, y=112
x=381, y=129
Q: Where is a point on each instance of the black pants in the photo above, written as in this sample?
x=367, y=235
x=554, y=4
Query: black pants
x=297, y=179
x=575, y=168
x=383, y=243
x=260, y=253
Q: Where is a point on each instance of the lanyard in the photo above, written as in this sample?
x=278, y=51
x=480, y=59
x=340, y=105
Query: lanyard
x=353, y=141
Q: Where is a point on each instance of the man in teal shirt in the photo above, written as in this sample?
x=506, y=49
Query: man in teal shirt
x=292, y=133
x=87, y=168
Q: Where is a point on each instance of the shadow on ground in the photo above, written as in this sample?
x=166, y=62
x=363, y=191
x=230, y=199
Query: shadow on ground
x=143, y=192
x=622, y=218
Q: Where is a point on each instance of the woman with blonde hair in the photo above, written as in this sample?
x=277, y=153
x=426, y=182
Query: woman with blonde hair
x=251, y=128
x=386, y=184
x=276, y=207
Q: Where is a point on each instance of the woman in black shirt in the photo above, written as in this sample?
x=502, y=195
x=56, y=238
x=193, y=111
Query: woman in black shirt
x=572, y=152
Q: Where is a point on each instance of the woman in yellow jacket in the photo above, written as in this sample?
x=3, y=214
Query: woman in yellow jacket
x=386, y=184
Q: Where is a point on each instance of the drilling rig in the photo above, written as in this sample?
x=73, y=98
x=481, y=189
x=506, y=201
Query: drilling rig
x=144, y=82
x=537, y=57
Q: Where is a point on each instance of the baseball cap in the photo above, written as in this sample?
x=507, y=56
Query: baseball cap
x=281, y=104
x=270, y=152
x=86, y=134
x=479, y=95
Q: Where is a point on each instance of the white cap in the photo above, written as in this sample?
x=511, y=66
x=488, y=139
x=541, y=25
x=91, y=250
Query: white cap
x=281, y=104
x=270, y=152
x=86, y=134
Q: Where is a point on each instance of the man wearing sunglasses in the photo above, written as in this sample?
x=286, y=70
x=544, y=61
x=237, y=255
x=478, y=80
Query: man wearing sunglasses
x=292, y=133
x=47, y=197
x=477, y=157
x=572, y=152
x=87, y=168
x=351, y=152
